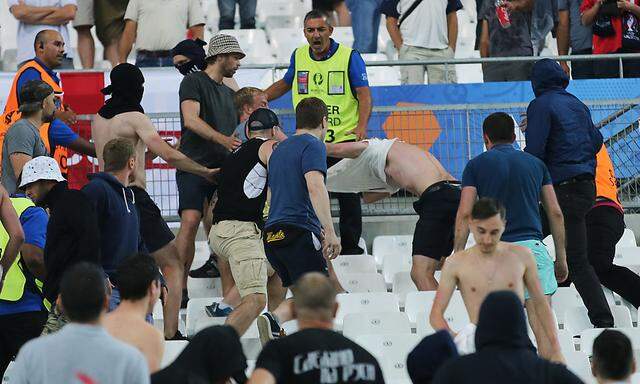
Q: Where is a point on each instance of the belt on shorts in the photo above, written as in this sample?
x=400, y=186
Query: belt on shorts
x=155, y=53
x=440, y=185
x=577, y=179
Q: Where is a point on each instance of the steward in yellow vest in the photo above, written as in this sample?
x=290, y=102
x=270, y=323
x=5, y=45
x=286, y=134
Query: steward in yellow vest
x=57, y=136
x=337, y=75
x=23, y=309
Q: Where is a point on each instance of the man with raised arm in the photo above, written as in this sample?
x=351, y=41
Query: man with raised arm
x=122, y=116
x=493, y=265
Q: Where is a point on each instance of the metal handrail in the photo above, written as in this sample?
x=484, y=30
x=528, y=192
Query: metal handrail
x=440, y=61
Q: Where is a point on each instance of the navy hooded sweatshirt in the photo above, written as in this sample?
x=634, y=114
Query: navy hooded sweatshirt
x=560, y=131
x=117, y=219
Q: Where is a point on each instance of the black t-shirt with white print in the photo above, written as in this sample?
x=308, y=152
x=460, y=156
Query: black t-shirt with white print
x=318, y=356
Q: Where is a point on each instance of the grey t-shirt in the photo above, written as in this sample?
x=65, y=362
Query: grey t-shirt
x=216, y=109
x=240, y=132
x=580, y=36
x=22, y=137
x=512, y=41
x=79, y=353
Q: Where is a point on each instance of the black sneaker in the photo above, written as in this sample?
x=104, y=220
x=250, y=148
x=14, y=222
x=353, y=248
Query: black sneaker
x=208, y=269
x=268, y=328
x=185, y=299
x=177, y=336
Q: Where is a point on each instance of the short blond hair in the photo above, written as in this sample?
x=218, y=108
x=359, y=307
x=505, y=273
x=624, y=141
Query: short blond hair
x=244, y=96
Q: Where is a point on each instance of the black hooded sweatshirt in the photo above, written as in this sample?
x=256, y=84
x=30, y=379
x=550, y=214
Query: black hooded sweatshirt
x=214, y=354
x=504, y=354
x=72, y=235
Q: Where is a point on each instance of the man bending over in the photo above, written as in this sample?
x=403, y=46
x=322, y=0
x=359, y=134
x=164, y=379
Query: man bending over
x=384, y=166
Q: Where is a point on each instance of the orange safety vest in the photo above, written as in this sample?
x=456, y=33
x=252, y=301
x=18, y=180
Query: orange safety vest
x=606, y=184
x=11, y=113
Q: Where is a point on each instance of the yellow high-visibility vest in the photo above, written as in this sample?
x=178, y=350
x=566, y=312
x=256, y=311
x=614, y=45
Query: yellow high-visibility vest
x=328, y=80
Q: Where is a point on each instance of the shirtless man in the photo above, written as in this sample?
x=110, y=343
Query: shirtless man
x=139, y=284
x=122, y=116
x=379, y=168
x=492, y=265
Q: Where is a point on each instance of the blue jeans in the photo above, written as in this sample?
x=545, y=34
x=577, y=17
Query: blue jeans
x=144, y=60
x=227, y=10
x=365, y=20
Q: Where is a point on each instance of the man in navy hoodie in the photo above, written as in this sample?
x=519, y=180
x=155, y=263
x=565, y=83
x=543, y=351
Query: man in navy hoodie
x=115, y=205
x=561, y=133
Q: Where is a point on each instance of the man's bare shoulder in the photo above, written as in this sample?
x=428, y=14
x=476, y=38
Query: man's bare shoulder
x=522, y=252
x=457, y=259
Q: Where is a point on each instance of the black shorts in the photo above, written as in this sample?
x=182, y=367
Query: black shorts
x=193, y=191
x=435, y=229
x=293, y=251
x=153, y=229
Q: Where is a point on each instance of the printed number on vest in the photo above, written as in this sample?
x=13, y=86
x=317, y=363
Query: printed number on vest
x=330, y=136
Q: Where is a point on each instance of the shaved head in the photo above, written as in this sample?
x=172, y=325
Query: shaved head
x=314, y=297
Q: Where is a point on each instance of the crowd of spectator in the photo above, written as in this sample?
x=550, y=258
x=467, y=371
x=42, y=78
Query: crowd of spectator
x=419, y=30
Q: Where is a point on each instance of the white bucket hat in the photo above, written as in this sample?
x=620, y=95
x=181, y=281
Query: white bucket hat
x=41, y=168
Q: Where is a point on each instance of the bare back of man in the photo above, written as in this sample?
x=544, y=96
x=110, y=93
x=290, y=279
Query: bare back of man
x=125, y=125
x=408, y=167
x=128, y=327
x=412, y=169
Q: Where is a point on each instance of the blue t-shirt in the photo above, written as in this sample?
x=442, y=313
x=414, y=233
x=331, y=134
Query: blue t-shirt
x=514, y=178
x=59, y=132
x=34, y=224
x=290, y=161
x=357, y=68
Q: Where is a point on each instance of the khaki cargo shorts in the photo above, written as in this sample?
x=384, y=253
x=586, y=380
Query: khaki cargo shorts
x=240, y=242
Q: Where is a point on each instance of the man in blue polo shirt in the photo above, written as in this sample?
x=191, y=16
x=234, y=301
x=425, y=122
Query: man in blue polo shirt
x=519, y=181
x=337, y=75
x=23, y=319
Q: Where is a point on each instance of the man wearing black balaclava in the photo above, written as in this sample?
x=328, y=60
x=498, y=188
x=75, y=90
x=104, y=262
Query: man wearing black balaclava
x=504, y=351
x=122, y=116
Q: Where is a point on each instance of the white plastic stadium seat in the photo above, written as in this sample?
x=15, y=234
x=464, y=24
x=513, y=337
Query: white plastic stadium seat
x=383, y=245
x=383, y=76
x=421, y=302
x=391, y=352
x=578, y=363
x=364, y=303
x=423, y=327
x=565, y=338
x=394, y=263
x=563, y=299
x=195, y=312
x=577, y=319
x=343, y=35
x=628, y=239
x=402, y=285
x=628, y=257
x=284, y=41
x=204, y=287
x=354, y=264
x=362, y=282
x=356, y=324
x=172, y=348
x=252, y=41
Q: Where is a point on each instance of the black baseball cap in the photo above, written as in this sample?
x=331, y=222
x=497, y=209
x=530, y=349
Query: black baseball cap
x=262, y=119
x=32, y=94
